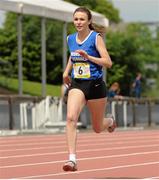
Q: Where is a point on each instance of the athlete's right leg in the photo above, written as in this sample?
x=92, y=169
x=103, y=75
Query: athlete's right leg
x=75, y=103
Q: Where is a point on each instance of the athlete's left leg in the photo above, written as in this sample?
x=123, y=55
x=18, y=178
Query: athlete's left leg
x=97, y=109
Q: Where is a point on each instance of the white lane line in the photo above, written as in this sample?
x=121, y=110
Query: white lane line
x=155, y=177
x=105, y=139
x=83, y=135
x=80, y=159
x=93, y=170
x=79, y=151
x=80, y=145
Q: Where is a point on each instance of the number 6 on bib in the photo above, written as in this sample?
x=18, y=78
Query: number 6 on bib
x=81, y=70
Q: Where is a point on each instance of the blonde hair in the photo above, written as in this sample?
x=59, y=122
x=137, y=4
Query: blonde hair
x=115, y=86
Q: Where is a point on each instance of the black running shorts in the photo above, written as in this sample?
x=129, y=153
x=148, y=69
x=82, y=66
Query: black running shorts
x=92, y=89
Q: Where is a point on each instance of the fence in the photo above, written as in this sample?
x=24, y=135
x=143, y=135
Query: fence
x=11, y=116
x=133, y=111
x=28, y=112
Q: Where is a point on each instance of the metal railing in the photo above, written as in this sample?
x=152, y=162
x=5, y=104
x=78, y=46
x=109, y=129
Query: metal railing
x=18, y=111
x=13, y=100
x=137, y=107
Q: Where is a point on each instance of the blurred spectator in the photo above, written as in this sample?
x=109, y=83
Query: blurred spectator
x=136, y=86
x=114, y=91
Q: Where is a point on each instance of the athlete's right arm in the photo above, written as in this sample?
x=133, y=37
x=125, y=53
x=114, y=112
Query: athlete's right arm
x=66, y=78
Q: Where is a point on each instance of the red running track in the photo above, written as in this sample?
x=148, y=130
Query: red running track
x=120, y=155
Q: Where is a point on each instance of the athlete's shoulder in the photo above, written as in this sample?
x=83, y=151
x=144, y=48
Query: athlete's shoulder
x=95, y=33
x=72, y=35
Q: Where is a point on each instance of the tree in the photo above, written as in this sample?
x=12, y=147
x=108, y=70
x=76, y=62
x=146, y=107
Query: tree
x=31, y=35
x=104, y=7
x=130, y=47
x=8, y=42
x=108, y=10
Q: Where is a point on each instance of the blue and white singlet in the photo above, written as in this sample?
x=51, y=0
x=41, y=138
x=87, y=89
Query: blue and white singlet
x=83, y=68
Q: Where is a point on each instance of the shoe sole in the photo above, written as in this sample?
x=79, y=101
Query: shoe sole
x=69, y=168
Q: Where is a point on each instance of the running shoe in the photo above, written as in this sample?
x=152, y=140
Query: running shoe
x=70, y=166
x=114, y=125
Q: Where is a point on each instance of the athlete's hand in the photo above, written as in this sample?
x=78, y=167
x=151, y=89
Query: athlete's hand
x=66, y=79
x=82, y=53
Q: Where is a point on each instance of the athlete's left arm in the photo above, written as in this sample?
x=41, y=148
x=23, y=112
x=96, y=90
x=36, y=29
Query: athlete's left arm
x=104, y=59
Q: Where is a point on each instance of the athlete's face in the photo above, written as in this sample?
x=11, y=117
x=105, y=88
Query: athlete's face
x=81, y=21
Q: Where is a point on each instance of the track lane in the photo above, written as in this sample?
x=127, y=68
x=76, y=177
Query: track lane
x=111, y=153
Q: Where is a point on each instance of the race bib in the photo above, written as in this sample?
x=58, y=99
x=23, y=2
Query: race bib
x=81, y=70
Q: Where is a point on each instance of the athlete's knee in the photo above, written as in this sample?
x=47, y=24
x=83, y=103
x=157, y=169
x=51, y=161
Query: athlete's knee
x=71, y=119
